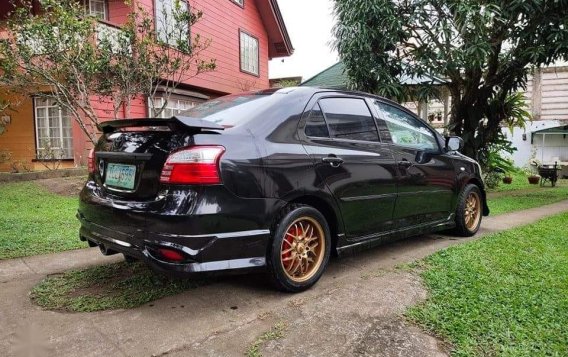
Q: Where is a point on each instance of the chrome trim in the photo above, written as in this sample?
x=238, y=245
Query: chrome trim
x=369, y=197
x=112, y=240
x=254, y=232
x=228, y=264
x=422, y=192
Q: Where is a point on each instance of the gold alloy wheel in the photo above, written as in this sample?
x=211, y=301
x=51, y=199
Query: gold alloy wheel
x=472, y=211
x=303, y=249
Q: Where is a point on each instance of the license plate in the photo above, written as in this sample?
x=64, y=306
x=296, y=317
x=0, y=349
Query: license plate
x=120, y=175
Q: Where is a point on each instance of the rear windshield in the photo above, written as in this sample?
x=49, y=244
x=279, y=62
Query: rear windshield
x=231, y=110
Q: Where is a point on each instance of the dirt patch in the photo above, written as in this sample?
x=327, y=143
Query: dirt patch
x=64, y=186
x=362, y=318
x=395, y=337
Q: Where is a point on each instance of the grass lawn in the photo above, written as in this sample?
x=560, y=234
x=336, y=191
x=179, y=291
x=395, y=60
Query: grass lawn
x=524, y=197
x=505, y=294
x=520, y=182
x=34, y=221
x=107, y=287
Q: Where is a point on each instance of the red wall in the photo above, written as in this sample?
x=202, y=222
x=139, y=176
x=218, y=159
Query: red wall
x=221, y=22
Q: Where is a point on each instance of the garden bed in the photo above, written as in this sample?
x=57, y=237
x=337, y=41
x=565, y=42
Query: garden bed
x=37, y=175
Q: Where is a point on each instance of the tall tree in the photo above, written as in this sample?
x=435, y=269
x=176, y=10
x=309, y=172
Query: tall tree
x=484, y=48
x=71, y=58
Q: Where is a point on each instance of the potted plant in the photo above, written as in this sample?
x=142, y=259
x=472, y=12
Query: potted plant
x=534, y=179
x=532, y=171
x=507, y=179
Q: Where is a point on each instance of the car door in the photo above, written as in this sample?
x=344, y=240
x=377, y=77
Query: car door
x=425, y=178
x=341, y=136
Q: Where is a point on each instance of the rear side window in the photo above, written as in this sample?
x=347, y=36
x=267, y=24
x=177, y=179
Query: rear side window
x=349, y=118
x=316, y=125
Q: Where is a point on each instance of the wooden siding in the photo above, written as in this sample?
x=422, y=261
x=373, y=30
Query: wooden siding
x=19, y=139
x=220, y=23
x=554, y=94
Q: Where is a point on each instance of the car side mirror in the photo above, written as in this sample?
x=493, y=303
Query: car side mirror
x=454, y=143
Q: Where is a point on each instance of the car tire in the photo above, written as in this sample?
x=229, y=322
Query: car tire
x=300, y=248
x=469, y=211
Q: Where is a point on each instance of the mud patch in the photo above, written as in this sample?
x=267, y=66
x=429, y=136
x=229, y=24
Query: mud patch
x=391, y=337
x=364, y=319
x=64, y=186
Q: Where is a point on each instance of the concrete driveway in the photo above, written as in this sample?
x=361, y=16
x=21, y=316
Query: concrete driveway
x=355, y=309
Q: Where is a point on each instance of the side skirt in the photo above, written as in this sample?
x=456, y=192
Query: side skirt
x=375, y=240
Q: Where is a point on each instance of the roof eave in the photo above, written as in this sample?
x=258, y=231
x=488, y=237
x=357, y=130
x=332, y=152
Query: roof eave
x=280, y=44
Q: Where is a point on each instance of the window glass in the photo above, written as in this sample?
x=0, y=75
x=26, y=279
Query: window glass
x=167, y=17
x=349, y=118
x=97, y=8
x=53, y=131
x=240, y=2
x=406, y=130
x=234, y=110
x=249, y=53
x=174, y=106
x=315, y=125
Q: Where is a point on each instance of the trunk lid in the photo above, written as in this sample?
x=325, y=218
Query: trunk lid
x=130, y=155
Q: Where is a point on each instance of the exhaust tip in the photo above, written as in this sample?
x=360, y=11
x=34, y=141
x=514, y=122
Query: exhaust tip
x=106, y=251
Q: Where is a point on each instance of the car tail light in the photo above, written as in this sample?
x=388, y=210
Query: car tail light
x=171, y=255
x=197, y=165
x=91, y=161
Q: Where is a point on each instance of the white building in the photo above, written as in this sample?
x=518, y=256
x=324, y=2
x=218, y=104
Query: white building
x=546, y=138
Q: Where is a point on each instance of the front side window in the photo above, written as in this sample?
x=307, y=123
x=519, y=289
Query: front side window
x=97, y=8
x=54, y=139
x=249, y=53
x=406, y=130
x=169, y=28
x=241, y=3
x=349, y=118
x=173, y=106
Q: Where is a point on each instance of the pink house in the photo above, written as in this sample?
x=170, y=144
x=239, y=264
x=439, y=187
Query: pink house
x=244, y=35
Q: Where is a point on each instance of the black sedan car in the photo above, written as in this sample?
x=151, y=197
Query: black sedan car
x=278, y=179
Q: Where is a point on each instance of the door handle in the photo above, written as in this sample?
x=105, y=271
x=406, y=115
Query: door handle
x=333, y=161
x=404, y=163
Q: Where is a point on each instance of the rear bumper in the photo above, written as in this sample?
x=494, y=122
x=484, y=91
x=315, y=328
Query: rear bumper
x=200, y=250
x=213, y=229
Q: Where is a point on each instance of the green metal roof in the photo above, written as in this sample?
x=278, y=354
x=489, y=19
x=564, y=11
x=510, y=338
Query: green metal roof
x=332, y=77
x=335, y=77
x=562, y=128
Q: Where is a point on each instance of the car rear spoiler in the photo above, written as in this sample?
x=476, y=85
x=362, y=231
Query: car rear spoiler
x=174, y=123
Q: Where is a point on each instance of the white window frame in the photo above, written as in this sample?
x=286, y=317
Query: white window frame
x=174, y=104
x=249, y=55
x=91, y=11
x=61, y=116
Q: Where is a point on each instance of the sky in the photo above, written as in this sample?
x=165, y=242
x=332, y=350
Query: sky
x=309, y=24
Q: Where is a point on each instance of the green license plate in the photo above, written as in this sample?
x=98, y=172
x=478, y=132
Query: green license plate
x=119, y=175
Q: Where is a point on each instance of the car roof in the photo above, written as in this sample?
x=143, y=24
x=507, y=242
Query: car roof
x=313, y=90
